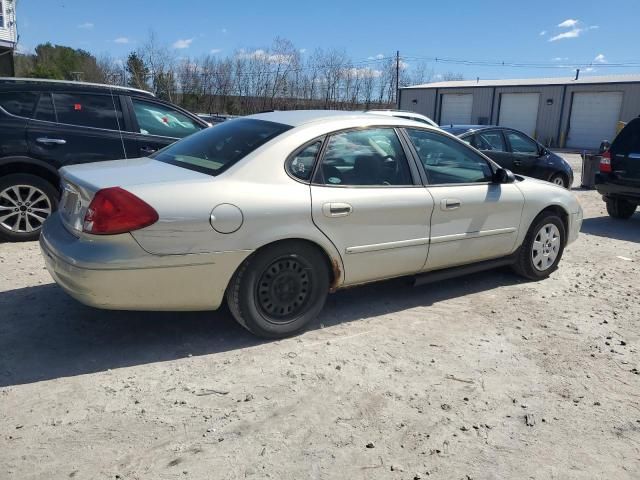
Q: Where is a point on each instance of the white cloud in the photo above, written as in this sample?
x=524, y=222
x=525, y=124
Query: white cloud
x=559, y=59
x=213, y=51
x=543, y=33
x=568, y=23
x=600, y=58
x=264, y=56
x=362, y=72
x=224, y=30
x=86, y=26
x=303, y=50
x=122, y=40
x=182, y=43
x=573, y=33
x=379, y=56
x=589, y=69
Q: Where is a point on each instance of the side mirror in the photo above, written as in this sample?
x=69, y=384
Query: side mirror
x=503, y=175
x=542, y=152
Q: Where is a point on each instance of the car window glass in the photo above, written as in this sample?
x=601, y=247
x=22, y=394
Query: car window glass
x=88, y=110
x=301, y=165
x=628, y=141
x=446, y=160
x=18, y=103
x=156, y=119
x=371, y=157
x=492, y=141
x=213, y=150
x=45, y=110
x=521, y=144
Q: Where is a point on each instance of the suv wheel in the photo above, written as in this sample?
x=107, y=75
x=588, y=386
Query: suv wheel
x=560, y=180
x=542, y=248
x=280, y=290
x=619, y=208
x=26, y=201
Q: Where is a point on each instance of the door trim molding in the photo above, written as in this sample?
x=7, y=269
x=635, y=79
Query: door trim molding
x=387, y=245
x=469, y=235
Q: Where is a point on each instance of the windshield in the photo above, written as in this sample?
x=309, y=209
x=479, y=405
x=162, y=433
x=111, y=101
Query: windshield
x=215, y=149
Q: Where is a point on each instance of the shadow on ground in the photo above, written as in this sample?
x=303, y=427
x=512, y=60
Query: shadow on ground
x=627, y=230
x=44, y=334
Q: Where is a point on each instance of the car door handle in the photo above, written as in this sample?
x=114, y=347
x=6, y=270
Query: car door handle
x=517, y=162
x=147, y=150
x=51, y=141
x=450, y=204
x=635, y=156
x=337, y=209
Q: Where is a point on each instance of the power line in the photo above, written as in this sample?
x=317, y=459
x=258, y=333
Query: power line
x=498, y=63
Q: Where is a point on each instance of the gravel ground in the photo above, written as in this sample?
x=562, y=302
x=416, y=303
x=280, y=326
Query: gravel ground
x=481, y=377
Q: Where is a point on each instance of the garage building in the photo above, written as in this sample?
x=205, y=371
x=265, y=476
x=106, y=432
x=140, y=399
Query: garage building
x=558, y=112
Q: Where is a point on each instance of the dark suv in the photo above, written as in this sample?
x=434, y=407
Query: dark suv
x=46, y=124
x=619, y=177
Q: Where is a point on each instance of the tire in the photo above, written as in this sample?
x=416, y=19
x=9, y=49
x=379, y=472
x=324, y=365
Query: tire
x=278, y=291
x=560, y=179
x=19, y=220
x=620, y=208
x=539, y=255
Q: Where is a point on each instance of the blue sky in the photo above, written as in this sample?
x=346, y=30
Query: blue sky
x=542, y=32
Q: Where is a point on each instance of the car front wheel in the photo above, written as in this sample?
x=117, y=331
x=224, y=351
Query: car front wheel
x=542, y=248
x=26, y=201
x=278, y=291
x=619, y=208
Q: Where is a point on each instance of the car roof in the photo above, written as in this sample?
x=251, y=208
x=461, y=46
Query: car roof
x=296, y=118
x=462, y=129
x=17, y=83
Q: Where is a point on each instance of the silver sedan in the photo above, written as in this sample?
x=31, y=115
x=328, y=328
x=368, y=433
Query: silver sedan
x=273, y=211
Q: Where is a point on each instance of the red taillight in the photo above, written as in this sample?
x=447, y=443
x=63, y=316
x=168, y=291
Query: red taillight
x=114, y=210
x=605, y=162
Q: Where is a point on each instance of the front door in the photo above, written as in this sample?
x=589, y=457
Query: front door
x=473, y=218
x=70, y=128
x=157, y=125
x=525, y=152
x=367, y=202
x=492, y=144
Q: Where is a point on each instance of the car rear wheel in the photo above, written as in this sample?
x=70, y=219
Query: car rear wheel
x=560, y=180
x=542, y=248
x=26, y=201
x=278, y=291
x=620, y=208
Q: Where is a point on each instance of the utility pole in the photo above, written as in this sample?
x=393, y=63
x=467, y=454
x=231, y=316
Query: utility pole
x=398, y=79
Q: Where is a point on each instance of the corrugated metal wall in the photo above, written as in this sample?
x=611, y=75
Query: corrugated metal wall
x=553, y=117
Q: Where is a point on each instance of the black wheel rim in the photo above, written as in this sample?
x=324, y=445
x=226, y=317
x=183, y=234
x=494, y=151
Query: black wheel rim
x=284, y=289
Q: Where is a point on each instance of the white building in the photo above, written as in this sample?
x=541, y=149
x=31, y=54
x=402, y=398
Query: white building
x=8, y=36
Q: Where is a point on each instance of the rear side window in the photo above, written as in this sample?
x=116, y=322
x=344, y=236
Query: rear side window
x=156, y=119
x=88, y=110
x=301, y=164
x=45, y=110
x=18, y=103
x=492, y=141
x=628, y=141
x=213, y=150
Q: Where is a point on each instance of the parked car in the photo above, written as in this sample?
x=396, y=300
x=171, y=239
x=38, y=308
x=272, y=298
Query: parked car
x=619, y=177
x=45, y=125
x=406, y=114
x=516, y=151
x=275, y=210
x=214, y=118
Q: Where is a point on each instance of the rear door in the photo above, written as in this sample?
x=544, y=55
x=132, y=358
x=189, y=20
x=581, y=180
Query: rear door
x=70, y=128
x=625, y=154
x=366, y=200
x=157, y=124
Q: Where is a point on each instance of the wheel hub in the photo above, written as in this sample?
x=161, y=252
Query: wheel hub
x=23, y=208
x=546, y=247
x=283, y=290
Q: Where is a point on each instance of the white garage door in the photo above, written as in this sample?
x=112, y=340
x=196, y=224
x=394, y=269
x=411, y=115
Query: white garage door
x=456, y=109
x=593, y=118
x=519, y=111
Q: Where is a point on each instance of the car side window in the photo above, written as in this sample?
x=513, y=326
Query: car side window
x=45, y=110
x=19, y=103
x=446, y=160
x=491, y=141
x=88, y=110
x=372, y=157
x=301, y=164
x=156, y=119
x=521, y=144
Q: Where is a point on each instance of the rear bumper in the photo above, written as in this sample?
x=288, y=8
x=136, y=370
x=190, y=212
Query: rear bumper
x=116, y=273
x=605, y=187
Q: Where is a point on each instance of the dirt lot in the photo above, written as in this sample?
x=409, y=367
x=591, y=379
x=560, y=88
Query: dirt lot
x=482, y=377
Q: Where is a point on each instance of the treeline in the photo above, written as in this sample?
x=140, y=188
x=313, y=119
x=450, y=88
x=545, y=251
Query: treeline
x=278, y=77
